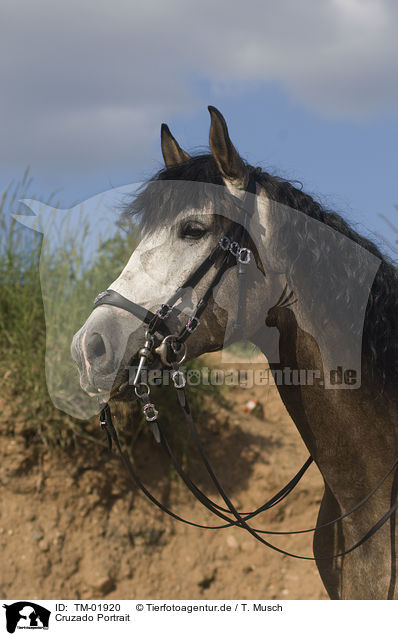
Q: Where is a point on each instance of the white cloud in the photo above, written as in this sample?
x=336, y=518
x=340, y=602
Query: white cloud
x=81, y=79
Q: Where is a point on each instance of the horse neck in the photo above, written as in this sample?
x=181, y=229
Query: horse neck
x=348, y=432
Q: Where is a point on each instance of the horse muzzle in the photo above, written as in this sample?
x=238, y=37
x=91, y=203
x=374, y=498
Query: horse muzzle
x=104, y=347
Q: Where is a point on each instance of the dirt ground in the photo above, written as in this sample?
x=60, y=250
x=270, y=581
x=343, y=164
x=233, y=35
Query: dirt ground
x=72, y=526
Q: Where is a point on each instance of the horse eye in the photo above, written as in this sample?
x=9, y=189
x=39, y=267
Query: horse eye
x=193, y=230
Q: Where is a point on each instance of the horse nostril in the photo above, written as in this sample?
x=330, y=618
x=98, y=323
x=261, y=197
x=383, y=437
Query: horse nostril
x=95, y=347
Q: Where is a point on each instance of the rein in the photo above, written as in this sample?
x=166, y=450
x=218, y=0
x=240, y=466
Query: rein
x=172, y=352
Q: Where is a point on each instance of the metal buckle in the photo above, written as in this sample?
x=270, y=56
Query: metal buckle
x=144, y=393
x=178, y=379
x=244, y=255
x=164, y=311
x=171, y=341
x=224, y=243
x=150, y=412
x=192, y=324
x=234, y=248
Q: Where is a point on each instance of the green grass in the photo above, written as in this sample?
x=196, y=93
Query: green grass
x=23, y=329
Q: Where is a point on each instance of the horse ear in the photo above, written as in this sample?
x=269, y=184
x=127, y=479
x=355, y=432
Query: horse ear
x=172, y=153
x=231, y=165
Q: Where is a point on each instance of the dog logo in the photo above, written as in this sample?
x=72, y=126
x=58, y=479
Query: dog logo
x=26, y=615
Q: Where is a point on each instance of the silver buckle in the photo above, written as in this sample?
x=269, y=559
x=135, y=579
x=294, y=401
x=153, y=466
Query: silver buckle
x=150, y=412
x=244, y=255
x=178, y=379
x=192, y=324
x=224, y=243
x=164, y=311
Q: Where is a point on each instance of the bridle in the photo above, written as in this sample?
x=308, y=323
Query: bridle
x=171, y=348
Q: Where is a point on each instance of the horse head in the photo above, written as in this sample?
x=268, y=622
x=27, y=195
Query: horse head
x=184, y=212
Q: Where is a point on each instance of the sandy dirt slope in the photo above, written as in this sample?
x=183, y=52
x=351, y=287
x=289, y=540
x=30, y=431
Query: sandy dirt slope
x=72, y=527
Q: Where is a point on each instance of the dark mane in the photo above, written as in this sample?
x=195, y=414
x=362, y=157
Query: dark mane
x=154, y=205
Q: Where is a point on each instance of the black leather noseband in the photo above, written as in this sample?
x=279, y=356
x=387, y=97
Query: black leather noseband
x=114, y=299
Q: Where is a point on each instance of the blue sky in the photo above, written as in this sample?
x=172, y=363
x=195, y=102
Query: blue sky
x=351, y=167
x=309, y=91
